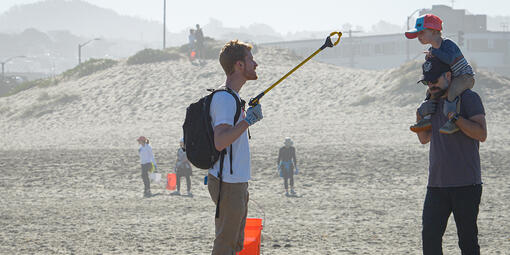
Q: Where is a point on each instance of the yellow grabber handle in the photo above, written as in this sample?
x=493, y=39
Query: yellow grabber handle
x=254, y=101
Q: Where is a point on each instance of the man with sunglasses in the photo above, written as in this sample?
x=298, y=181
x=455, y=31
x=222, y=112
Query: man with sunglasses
x=454, y=182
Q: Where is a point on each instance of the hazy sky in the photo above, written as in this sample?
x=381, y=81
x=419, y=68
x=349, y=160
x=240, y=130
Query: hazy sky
x=282, y=15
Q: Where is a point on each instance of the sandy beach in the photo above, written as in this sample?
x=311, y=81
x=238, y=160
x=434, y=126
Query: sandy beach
x=70, y=174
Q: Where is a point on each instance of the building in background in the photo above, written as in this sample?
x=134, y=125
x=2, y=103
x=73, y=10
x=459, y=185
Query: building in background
x=484, y=49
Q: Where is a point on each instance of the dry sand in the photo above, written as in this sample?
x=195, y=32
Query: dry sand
x=70, y=178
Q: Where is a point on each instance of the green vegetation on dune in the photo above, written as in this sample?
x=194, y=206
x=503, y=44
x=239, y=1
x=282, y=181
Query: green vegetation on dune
x=41, y=83
x=89, y=67
x=86, y=68
x=211, y=50
x=147, y=56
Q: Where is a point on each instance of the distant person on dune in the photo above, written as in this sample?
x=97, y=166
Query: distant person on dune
x=287, y=164
x=183, y=169
x=191, y=44
x=454, y=182
x=428, y=31
x=147, y=161
x=199, y=42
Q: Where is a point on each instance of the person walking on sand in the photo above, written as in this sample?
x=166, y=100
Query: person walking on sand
x=454, y=181
x=231, y=195
x=183, y=169
x=286, y=164
x=147, y=161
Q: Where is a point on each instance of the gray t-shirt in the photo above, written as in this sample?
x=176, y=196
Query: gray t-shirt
x=454, y=159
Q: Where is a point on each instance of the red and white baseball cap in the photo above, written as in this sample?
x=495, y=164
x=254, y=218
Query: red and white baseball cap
x=425, y=21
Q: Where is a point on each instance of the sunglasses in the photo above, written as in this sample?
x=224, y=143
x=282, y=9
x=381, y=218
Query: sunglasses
x=433, y=81
x=430, y=82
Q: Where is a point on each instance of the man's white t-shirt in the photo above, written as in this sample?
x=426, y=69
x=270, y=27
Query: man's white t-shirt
x=223, y=109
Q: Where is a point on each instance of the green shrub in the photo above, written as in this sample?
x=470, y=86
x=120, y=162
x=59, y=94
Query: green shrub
x=41, y=83
x=89, y=67
x=211, y=49
x=152, y=56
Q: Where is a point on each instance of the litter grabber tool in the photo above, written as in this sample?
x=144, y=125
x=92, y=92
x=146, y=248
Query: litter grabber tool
x=254, y=101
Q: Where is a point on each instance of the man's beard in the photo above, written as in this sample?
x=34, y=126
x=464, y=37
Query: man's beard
x=437, y=93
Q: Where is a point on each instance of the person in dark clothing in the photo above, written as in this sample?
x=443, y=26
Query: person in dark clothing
x=455, y=181
x=183, y=169
x=287, y=164
x=199, y=42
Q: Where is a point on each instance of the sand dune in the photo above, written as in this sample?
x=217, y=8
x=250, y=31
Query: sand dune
x=70, y=173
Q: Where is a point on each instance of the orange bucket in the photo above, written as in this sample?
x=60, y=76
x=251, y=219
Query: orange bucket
x=252, y=234
x=171, y=181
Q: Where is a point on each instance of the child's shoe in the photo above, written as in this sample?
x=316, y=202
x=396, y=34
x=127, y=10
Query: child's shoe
x=422, y=125
x=449, y=128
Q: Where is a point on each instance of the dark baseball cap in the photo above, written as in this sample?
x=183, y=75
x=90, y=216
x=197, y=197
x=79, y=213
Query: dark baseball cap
x=432, y=70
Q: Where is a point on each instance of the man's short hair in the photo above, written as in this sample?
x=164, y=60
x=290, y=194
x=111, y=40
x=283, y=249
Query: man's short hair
x=232, y=52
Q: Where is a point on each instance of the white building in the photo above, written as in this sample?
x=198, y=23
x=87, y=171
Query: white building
x=482, y=48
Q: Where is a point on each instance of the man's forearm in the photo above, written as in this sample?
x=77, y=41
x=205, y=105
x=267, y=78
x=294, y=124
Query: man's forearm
x=225, y=135
x=474, y=128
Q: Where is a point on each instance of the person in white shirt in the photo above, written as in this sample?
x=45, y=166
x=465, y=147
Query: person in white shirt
x=231, y=193
x=147, y=161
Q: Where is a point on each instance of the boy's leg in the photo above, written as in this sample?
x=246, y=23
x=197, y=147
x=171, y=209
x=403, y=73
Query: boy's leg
x=424, y=124
x=459, y=85
x=452, y=105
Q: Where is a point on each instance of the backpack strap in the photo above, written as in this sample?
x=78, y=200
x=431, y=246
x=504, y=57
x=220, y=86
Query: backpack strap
x=222, y=158
x=236, y=118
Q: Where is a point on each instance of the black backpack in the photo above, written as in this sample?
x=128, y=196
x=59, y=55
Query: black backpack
x=199, y=135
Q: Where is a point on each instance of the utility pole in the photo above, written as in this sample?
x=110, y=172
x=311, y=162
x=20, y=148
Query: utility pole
x=83, y=45
x=351, y=43
x=5, y=62
x=164, y=24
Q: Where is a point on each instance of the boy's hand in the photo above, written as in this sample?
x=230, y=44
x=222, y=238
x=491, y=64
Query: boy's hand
x=427, y=108
x=428, y=54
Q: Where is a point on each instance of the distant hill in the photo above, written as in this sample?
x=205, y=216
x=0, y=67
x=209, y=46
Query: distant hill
x=79, y=17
